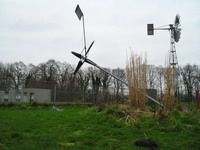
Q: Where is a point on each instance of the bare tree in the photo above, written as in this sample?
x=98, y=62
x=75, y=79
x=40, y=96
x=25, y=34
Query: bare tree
x=105, y=80
x=18, y=73
x=5, y=77
x=96, y=82
x=119, y=86
x=196, y=77
x=64, y=72
x=49, y=70
x=83, y=80
x=151, y=76
x=160, y=80
x=32, y=74
x=189, y=77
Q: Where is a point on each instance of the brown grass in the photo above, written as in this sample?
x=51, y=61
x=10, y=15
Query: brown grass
x=137, y=80
x=169, y=88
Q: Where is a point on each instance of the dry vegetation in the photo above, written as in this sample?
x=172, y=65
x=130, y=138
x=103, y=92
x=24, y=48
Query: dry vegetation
x=136, y=74
x=169, y=87
x=137, y=83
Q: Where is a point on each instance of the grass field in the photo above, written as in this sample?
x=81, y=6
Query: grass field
x=84, y=128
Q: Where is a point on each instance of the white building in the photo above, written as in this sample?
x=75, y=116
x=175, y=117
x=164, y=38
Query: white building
x=26, y=95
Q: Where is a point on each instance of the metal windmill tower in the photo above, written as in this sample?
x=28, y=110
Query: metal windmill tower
x=175, y=32
x=175, y=36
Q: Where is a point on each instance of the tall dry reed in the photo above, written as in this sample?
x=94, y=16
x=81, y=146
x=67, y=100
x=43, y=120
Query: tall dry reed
x=136, y=69
x=169, y=88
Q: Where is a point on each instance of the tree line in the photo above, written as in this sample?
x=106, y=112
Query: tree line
x=187, y=79
x=90, y=83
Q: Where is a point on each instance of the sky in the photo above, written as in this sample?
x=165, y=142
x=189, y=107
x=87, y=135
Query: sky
x=34, y=31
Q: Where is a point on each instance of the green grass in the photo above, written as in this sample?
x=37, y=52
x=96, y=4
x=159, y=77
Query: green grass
x=84, y=128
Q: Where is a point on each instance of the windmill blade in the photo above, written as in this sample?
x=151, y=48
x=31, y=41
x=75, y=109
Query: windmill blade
x=177, y=21
x=177, y=34
x=177, y=30
x=89, y=48
x=77, y=55
x=80, y=63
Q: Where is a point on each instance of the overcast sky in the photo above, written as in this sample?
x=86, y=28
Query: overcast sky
x=34, y=31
